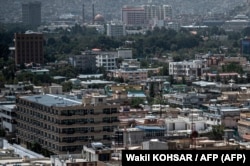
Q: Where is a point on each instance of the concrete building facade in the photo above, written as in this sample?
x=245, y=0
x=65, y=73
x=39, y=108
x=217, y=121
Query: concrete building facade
x=116, y=29
x=133, y=16
x=31, y=13
x=62, y=125
x=29, y=48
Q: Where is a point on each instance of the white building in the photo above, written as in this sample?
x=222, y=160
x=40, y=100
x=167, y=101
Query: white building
x=7, y=121
x=167, y=11
x=106, y=60
x=116, y=29
x=187, y=68
x=154, y=144
x=185, y=125
x=160, y=12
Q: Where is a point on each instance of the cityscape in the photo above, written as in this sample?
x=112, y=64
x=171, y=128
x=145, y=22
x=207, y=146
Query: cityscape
x=83, y=80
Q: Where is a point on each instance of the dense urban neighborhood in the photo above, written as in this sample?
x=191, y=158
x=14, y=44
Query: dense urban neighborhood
x=81, y=80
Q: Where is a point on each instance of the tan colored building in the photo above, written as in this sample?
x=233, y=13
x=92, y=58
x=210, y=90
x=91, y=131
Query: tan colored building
x=64, y=124
x=244, y=126
x=133, y=75
x=29, y=48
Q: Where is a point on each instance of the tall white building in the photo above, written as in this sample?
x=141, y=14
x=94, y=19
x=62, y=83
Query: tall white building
x=186, y=68
x=167, y=11
x=116, y=29
x=106, y=60
x=160, y=12
x=7, y=118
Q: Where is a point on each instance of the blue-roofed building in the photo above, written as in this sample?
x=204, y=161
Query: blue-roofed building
x=63, y=124
x=136, y=94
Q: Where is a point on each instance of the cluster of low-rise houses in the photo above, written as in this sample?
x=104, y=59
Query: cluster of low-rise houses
x=194, y=97
x=95, y=124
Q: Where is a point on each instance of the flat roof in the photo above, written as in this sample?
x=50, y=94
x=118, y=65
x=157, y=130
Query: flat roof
x=204, y=83
x=150, y=127
x=53, y=100
x=96, y=82
x=58, y=77
x=9, y=106
x=90, y=75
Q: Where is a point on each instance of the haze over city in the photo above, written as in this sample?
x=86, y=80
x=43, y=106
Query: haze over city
x=10, y=10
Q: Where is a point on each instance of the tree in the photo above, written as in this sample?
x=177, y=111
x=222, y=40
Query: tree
x=65, y=39
x=135, y=102
x=218, y=77
x=218, y=132
x=67, y=86
x=2, y=133
x=246, y=32
x=164, y=70
x=151, y=90
x=36, y=147
x=51, y=41
x=183, y=80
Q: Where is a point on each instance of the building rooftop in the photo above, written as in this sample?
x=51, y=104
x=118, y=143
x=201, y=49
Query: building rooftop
x=151, y=128
x=89, y=82
x=53, y=100
x=59, y=77
x=8, y=107
x=84, y=76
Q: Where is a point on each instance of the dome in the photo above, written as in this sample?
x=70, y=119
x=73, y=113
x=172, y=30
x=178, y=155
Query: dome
x=99, y=18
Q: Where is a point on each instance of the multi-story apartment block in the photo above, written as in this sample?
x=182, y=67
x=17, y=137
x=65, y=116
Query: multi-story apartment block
x=161, y=12
x=62, y=125
x=85, y=62
x=244, y=126
x=187, y=100
x=7, y=118
x=187, y=68
x=31, y=13
x=167, y=12
x=130, y=73
x=133, y=16
x=223, y=115
x=106, y=60
x=142, y=15
x=116, y=29
x=29, y=48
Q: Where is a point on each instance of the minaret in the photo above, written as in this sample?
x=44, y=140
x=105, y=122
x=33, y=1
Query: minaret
x=93, y=13
x=83, y=14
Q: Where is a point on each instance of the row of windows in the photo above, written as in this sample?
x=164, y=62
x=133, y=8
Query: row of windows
x=35, y=106
x=64, y=112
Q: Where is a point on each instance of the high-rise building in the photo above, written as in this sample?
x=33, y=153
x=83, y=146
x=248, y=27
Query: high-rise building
x=29, y=48
x=133, y=16
x=31, y=13
x=160, y=12
x=64, y=124
x=167, y=11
